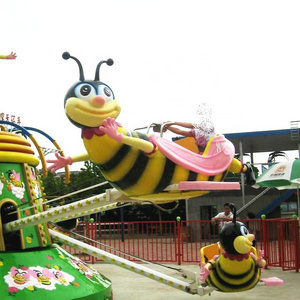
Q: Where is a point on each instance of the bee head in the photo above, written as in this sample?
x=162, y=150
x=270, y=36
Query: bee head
x=88, y=102
x=235, y=237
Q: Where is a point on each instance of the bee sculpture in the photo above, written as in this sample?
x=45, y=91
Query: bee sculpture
x=238, y=267
x=139, y=165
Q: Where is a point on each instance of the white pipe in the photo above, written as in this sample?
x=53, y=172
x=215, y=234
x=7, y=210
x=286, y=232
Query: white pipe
x=69, y=211
x=121, y=262
x=61, y=197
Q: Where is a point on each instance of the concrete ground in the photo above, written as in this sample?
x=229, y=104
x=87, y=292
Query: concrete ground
x=131, y=286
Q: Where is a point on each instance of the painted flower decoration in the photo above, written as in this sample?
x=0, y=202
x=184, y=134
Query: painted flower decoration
x=12, y=291
x=31, y=288
x=29, y=239
x=76, y=284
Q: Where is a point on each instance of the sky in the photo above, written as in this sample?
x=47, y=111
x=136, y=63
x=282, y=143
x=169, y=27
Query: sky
x=242, y=58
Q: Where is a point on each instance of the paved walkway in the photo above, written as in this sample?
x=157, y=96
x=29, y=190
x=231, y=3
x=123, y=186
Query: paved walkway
x=131, y=286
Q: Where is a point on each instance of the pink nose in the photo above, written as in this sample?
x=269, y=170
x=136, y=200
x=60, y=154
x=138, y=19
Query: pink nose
x=97, y=101
x=251, y=237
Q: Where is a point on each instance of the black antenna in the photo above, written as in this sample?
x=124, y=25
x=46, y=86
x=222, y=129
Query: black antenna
x=233, y=209
x=66, y=55
x=109, y=62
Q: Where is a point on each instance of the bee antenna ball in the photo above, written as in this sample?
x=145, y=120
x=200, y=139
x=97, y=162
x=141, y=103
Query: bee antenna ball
x=110, y=62
x=231, y=205
x=66, y=55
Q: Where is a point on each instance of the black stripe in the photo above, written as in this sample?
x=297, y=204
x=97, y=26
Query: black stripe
x=134, y=174
x=209, y=281
x=122, y=152
x=239, y=276
x=192, y=176
x=140, y=135
x=117, y=159
x=224, y=175
x=166, y=177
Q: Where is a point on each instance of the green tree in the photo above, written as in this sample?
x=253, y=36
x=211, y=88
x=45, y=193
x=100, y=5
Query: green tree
x=89, y=175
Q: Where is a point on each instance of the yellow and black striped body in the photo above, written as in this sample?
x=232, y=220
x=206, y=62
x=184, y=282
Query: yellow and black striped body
x=234, y=275
x=141, y=175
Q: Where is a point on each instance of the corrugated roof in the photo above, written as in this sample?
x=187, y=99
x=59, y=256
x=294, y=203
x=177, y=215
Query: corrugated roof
x=263, y=141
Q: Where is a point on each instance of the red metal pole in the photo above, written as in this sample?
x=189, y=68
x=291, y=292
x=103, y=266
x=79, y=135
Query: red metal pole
x=179, y=241
x=297, y=246
x=265, y=248
x=92, y=235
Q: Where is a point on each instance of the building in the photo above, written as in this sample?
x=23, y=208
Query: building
x=269, y=203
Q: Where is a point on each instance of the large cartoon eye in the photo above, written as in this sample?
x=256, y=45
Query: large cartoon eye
x=85, y=91
x=106, y=92
x=244, y=230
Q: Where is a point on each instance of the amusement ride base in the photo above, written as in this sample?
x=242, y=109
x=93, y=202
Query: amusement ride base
x=50, y=273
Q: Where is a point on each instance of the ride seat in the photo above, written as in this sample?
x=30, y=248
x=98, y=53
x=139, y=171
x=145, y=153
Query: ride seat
x=208, y=252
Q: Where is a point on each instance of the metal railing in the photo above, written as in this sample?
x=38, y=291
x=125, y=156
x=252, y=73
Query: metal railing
x=181, y=241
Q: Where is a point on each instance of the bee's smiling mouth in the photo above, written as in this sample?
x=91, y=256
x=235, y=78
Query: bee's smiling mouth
x=83, y=113
x=94, y=111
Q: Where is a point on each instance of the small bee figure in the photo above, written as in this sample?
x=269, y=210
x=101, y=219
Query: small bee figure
x=20, y=277
x=237, y=268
